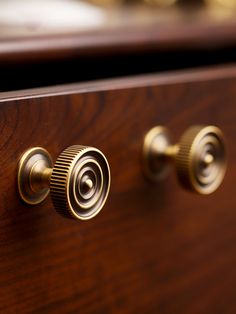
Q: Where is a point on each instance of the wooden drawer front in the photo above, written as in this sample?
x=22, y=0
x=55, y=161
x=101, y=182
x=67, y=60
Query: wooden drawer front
x=153, y=248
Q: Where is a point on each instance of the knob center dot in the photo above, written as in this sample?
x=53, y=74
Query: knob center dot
x=208, y=159
x=89, y=183
x=86, y=185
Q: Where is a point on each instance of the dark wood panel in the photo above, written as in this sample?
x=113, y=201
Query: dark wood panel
x=153, y=248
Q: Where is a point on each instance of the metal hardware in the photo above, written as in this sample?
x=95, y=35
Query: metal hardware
x=199, y=157
x=222, y=4
x=79, y=182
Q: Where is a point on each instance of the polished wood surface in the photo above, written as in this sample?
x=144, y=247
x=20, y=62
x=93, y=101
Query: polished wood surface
x=132, y=40
x=125, y=30
x=153, y=248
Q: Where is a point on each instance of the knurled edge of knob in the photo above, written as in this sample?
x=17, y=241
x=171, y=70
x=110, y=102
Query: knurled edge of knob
x=59, y=180
x=184, y=158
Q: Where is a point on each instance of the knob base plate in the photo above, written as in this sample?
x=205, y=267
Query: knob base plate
x=156, y=143
x=31, y=158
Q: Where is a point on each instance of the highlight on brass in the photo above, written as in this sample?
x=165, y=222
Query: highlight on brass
x=228, y=4
x=79, y=182
x=199, y=157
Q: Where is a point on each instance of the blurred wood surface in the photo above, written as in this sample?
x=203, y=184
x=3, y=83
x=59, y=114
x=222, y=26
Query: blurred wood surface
x=153, y=248
x=124, y=30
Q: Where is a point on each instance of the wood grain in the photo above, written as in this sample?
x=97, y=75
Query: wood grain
x=153, y=248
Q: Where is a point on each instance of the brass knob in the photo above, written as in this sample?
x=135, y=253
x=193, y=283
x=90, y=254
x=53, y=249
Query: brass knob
x=79, y=182
x=199, y=157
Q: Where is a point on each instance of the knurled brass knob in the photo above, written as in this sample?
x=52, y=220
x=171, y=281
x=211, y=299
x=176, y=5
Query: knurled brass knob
x=199, y=157
x=79, y=182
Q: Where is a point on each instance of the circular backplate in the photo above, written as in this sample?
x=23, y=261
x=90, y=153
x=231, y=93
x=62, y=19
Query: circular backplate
x=156, y=142
x=27, y=161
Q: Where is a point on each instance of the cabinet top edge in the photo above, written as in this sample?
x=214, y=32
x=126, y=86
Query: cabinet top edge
x=171, y=77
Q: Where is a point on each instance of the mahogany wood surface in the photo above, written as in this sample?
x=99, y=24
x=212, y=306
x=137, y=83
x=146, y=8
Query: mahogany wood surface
x=126, y=30
x=153, y=248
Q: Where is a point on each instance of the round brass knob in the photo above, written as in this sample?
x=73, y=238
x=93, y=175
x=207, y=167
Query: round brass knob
x=79, y=182
x=199, y=157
